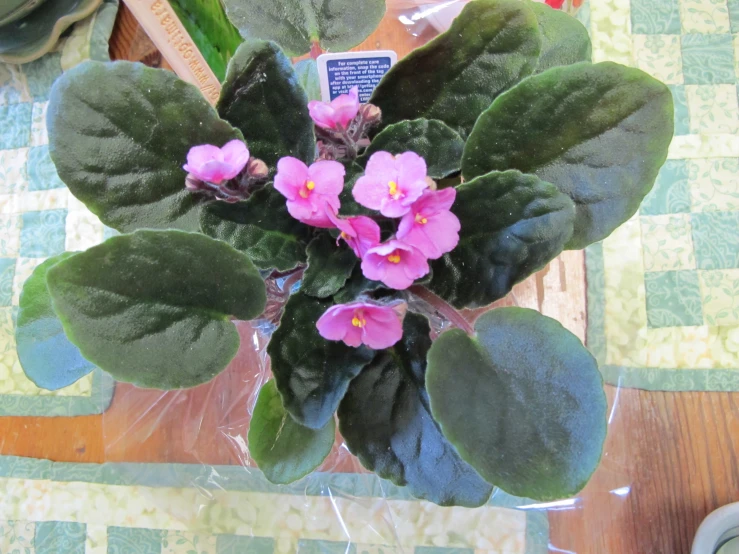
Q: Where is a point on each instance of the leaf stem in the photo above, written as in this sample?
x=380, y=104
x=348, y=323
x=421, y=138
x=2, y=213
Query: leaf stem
x=443, y=308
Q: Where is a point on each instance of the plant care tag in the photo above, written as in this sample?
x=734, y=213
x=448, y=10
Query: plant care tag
x=340, y=72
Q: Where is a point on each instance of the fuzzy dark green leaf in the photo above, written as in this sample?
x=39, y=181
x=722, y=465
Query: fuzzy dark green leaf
x=522, y=401
x=356, y=285
x=438, y=144
x=349, y=206
x=119, y=134
x=261, y=227
x=329, y=266
x=45, y=353
x=564, y=39
x=284, y=450
x=512, y=225
x=312, y=373
x=263, y=98
x=153, y=308
x=337, y=25
x=386, y=422
x=599, y=133
x=490, y=47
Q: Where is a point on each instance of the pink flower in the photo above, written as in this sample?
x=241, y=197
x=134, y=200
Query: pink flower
x=361, y=233
x=395, y=263
x=215, y=165
x=337, y=113
x=430, y=226
x=361, y=323
x=391, y=183
x=311, y=192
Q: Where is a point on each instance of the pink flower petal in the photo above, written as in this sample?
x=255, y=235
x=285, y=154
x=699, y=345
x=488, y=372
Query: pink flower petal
x=375, y=325
x=333, y=324
x=322, y=114
x=199, y=155
x=435, y=201
x=382, y=165
x=370, y=192
x=328, y=177
x=346, y=107
x=411, y=169
x=291, y=176
x=235, y=152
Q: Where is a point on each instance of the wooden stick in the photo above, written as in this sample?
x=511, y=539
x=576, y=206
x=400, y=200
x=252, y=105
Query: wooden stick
x=169, y=35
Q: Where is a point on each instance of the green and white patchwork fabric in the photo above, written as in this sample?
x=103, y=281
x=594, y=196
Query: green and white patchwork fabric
x=38, y=216
x=48, y=508
x=663, y=290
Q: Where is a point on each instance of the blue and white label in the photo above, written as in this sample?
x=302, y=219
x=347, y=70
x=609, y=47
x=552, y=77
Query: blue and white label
x=340, y=72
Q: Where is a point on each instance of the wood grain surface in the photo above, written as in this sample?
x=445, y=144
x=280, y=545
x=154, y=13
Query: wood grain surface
x=670, y=458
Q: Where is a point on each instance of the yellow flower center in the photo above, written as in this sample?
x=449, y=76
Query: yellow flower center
x=305, y=191
x=358, y=319
x=393, y=189
x=394, y=258
x=420, y=219
x=344, y=235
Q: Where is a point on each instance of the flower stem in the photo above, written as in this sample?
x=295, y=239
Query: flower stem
x=443, y=308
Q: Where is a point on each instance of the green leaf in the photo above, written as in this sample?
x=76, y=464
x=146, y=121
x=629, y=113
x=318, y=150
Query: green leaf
x=490, y=47
x=45, y=353
x=356, y=285
x=307, y=72
x=329, y=266
x=598, y=132
x=262, y=97
x=337, y=25
x=214, y=35
x=439, y=145
x=311, y=373
x=386, y=422
x=119, y=134
x=512, y=225
x=564, y=39
x=153, y=308
x=260, y=227
x=284, y=450
x=522, y=401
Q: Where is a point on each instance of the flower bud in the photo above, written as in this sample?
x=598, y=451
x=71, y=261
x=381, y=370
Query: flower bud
x=371, y=114
x=257, y=169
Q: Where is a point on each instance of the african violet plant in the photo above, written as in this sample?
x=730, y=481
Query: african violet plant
x=479, y=158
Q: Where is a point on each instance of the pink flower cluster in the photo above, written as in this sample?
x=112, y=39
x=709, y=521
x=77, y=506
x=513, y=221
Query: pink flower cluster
x=396, y=186
x=399, y=188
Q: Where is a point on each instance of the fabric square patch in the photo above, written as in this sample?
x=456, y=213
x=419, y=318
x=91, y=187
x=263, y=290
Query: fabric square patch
x=682, y=115
x=129, y=540
x=655, y=17
x=708, y=59
x=42, y=233
x=734, y=15
x=41, y=74
x=673, y=299
x=57, y=537
x=13, y=86
x=442, y=550
x=667, y=243
x=15, y=122
x=716, y=239
x=17, y=536
x=306, y=546
x=720, y=290
x=84, y=230
x=234, y=544
x=13, y=176
x=671, y=191
x=714, y=184
x=10, y=235
x=7, y=273
x=23, y=269
x=41, y=171
x=704, y=16
x=713, y=109
x=180, y=542
x=39, y=135
x=660, y=56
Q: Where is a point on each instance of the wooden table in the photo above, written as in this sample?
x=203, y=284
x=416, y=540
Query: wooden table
x=670, y=458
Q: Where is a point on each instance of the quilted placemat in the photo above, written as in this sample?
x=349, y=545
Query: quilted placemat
x=663, y=290
x=38, y=216
x=58, y=508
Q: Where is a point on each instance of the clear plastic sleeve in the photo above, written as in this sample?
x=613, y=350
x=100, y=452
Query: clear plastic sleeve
x=197, y=439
